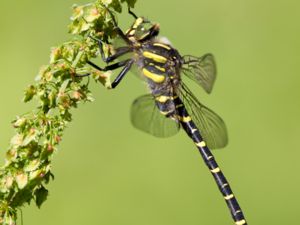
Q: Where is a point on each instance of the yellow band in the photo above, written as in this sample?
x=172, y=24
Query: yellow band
x=162, y=45
x=201, y=144
x=216, y=170
x=155, y=57
x=163, y=98
x=229, y=197
x=185, y=119
x=155, y=77
x=241, y=222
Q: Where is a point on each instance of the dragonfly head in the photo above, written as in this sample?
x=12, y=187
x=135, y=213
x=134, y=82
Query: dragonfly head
x=143, y=29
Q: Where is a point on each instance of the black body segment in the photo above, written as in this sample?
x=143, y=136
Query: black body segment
x=193, y=132
x=171, y=104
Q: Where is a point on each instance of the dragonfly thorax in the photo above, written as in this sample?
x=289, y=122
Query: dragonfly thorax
x=160, y=65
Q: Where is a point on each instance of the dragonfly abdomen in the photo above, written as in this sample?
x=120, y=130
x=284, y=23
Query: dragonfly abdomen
x=166, y=105
x=223, y=185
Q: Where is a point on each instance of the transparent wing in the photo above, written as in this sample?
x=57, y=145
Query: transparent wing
x=202, y=70
x=119, y=42
x=146, y=116
x=211, y=126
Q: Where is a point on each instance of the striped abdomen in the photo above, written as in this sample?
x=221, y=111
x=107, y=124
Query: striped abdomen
x=193, y=132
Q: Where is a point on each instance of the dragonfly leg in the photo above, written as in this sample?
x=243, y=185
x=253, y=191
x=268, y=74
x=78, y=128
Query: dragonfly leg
x=119, y=51
x=126, y=68
x=132, y=13
x=117, y=28
x=127, y=64
x=107, y=68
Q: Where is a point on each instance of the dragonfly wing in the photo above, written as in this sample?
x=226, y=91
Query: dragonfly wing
x=211, y=126
x=146, y=117
x=202, y=70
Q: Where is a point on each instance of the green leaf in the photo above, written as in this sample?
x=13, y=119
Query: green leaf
x=17, y=140
x=11, y=154
x=52, y=98
x=22, y=180
x=103, y=77
x=41, y=195
x=106, y=2
x=64, y=86
x=77, y=11
x=48, y=176
x=8, y=219
x=92, y=14
x=130, y=3
x=35, y=174
x=116, y=5
x=29, y=93
x=55, y=54
x=20, y=122
x=6, y=183
x=33, y=165
x=32, y=135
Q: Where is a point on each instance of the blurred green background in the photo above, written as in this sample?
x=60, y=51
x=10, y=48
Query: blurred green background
x=106, y=172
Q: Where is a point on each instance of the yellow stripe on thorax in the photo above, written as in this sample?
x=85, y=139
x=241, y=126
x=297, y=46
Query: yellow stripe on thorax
x=144, y=36
x=155, y=77
x=158, y=67
x=162, y=45
x=155, y=57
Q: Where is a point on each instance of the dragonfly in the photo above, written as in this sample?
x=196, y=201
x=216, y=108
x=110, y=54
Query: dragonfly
x=170, y=105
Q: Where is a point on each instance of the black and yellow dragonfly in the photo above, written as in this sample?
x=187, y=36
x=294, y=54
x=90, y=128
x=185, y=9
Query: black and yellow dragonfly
x=170, y=104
